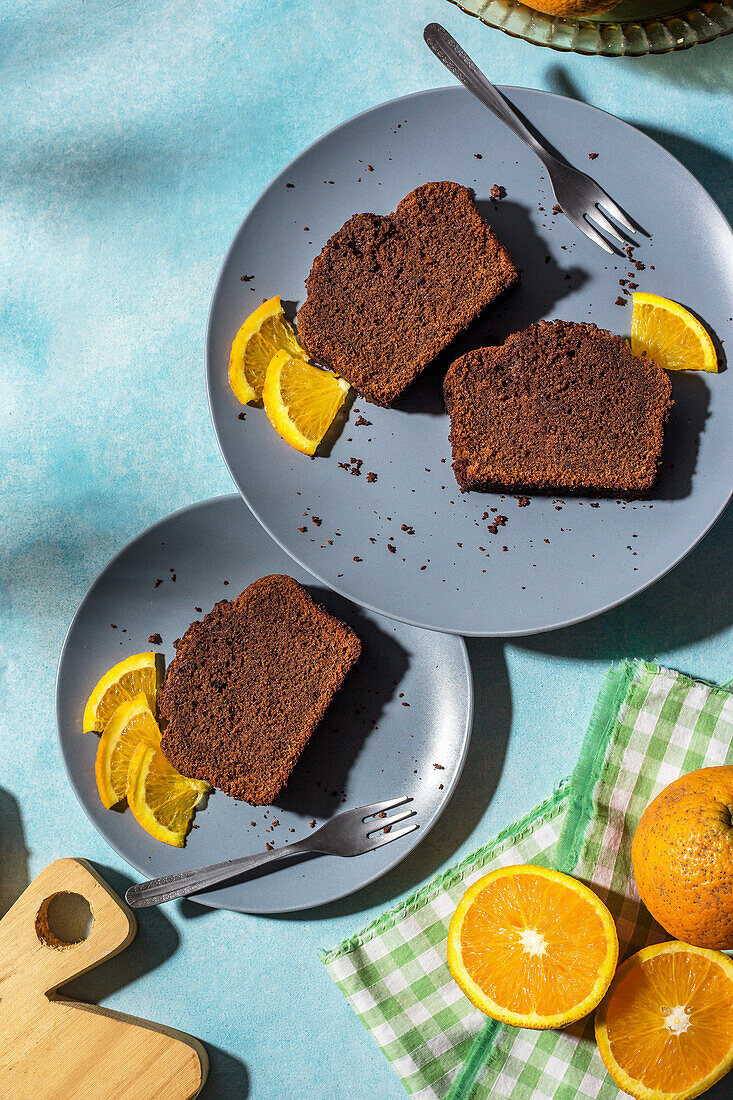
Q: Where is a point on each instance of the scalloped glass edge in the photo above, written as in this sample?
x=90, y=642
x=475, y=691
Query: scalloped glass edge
x=679, y=30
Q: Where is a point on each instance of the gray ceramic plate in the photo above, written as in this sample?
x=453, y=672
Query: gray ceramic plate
x=565, y=559
x=405, y=709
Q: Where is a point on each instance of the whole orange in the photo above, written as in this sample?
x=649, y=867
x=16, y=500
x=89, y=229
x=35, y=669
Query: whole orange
x=572, y=7
x=683, y=858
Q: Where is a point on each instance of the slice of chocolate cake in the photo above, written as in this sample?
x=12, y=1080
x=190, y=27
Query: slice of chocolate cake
x=248, y=686
x=388, y=294
x=559, y=405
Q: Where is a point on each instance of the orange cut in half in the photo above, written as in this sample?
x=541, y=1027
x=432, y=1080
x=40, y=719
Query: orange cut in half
x=665, y=1028
x=532, y=947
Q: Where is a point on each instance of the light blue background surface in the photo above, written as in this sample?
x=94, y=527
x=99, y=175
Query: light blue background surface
x=133, y=137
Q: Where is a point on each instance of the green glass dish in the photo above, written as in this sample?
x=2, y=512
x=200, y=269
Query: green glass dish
x=633, y=28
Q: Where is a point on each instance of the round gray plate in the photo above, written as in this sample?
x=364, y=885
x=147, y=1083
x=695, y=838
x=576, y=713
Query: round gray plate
x=405, y=708
x=564, y=560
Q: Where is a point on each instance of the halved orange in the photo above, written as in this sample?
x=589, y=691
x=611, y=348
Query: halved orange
x=132, y=724
x=263, y=335
x=665, y=1028
x=532, y=947
x=123, y=681
x=667, y=333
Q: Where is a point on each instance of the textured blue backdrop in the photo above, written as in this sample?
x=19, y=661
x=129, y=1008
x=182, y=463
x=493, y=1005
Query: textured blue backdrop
x=133, y=137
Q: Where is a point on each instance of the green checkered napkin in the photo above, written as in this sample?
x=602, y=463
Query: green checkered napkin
x=649, y=726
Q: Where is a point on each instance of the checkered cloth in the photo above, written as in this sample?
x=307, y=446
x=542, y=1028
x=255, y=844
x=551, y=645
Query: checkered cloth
x=649, y=726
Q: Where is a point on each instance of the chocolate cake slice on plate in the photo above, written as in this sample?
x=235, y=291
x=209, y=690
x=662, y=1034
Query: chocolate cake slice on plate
x=388, y=294
x=248, y=686
x=560, y=405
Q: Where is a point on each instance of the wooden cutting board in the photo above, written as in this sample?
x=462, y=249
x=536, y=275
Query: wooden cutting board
x=57, y=1049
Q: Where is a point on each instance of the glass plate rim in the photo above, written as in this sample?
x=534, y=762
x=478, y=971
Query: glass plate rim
x=607, y=39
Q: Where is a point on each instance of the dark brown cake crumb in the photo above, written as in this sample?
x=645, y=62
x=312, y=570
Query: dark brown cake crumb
x=392, y=549
x=159, y=581
x=593, y=156
x=362, y=421
x=497, y=192
x=557, y=209
x=362, y=316
x=316, y=520
x=620, y=301
x=371, y=476
x=522, y=502
x=248, y=686
x=155, y=639
x=478, y=156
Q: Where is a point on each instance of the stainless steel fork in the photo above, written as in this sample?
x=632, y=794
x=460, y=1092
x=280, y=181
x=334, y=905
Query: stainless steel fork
x=579, y=197
x=350, y=834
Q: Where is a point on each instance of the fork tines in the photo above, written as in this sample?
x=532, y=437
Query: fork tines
x=384, y=823
x=382, y=807
x=595, y=217
x=379, y=829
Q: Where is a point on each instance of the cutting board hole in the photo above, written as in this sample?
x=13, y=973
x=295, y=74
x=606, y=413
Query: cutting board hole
x=64, y=920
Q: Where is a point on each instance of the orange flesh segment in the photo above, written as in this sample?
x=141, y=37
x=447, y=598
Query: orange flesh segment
x=646, y=1047
x=501, y=954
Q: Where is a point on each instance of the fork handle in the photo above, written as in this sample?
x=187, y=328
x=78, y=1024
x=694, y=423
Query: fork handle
x=447, y=50
x=184, y=883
